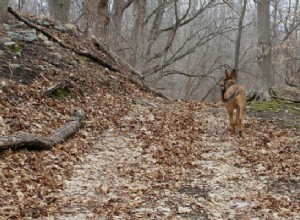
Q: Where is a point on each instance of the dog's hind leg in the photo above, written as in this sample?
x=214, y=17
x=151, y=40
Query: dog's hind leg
x=240, y=120
x=230, y=114
x=237, y=115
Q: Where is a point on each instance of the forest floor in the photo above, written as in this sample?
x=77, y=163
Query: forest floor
x=285, y=114
x=137, y=156
x=178, y=161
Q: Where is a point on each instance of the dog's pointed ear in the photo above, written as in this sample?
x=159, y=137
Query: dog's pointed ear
x=226, y=74
x=233, y=74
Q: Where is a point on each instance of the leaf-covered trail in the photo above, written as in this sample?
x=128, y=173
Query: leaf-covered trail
x=137, y=156
x=178, y=161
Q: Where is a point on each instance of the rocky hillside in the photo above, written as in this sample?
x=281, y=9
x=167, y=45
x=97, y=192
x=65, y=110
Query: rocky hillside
x=137, y=156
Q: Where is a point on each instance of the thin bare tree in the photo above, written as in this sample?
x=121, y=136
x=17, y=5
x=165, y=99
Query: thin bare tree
x=115, y=32
x=239, y=38
x=137, y=30
x=3, y=10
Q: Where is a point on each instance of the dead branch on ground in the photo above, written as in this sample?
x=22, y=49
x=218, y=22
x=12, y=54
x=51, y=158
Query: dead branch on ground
x=33, y=141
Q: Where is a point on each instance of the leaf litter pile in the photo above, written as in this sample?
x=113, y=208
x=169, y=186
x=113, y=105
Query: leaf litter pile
x=138, y=156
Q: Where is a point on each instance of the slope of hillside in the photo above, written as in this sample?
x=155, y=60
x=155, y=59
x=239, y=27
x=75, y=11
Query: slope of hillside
x=137, y=156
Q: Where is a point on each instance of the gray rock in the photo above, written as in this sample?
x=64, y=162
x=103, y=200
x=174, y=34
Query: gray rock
x=71, y=28
x=48, y=43
x=6, y=26
x=40, y=21
x=18, y=54
x=4, y=39
x=42, y=37
x=40, y=67
x=32, y=31
x=2, y=83
x=184, y=210
x=15, y=36
x=20, y=24
x=9, y=43
x=14, y=66
x=30, y=35
x=57, y=55
x=60, y=28
x=46, y=23
x=30, y=38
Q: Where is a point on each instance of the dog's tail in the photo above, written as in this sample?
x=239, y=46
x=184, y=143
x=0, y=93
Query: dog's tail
x=231, y=96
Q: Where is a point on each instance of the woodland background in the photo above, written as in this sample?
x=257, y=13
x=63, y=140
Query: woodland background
x=137, y=154
x=182, y=47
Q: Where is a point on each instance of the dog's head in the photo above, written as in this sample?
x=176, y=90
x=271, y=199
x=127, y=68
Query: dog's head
x=228, y=80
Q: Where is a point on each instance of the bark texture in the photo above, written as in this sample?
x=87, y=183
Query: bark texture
x=239, y=39
x=139, y=12
x=103, y=19
x=3, y=10
x=116, y=21
x=96, y=16
x=264, y=50
x=59, y=10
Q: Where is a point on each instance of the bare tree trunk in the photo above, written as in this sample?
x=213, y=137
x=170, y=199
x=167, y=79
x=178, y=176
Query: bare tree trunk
x=155, y=28
x=20, y=5
x=264, y=47
x=139, y=13
x=119, y=6
x=116, y=20
x=239, y=38
x=59, y=10
x=274, y=19
x=87, y=15
x=97, y=18
x=103, y=19
x=3, y=10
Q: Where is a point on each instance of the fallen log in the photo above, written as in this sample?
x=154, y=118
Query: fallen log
x=101, y=45
x=33, y=141
x=138, y=80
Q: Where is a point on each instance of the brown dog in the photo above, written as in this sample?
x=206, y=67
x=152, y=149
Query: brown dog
x=234, y=98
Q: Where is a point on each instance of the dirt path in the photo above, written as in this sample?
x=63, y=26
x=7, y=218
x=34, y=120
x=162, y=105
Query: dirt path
x=95, y=178
x=133, y=174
